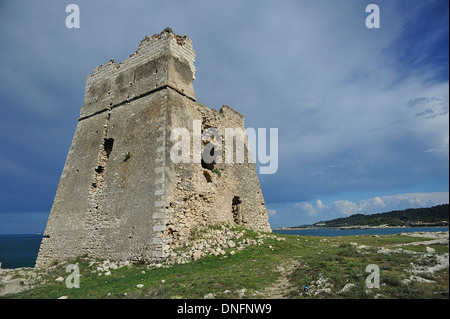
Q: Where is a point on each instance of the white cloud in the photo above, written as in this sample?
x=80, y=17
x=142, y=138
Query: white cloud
x=305, y=208
x=343, y=207
x=320, y=206
x=272, y=212
x=377, y=201
x=377, y=204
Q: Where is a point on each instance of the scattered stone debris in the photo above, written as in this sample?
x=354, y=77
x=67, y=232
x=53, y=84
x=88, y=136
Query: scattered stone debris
x=347, y=288
x=441, y=261
x=19, y=279
x=224, y=241
x=320, y=286
x=241, y=292
x=221, y=240
x=418, y=279
x=209, y=296
x=16, y=280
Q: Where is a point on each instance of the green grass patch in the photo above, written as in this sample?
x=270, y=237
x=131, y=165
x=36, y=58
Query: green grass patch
x=326, y=264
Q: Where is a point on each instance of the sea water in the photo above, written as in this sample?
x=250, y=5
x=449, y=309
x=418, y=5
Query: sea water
x=22, y=250
x=333, y=232
x=19, y=250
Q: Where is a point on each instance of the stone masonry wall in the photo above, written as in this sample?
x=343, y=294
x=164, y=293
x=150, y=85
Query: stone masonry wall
x=162, y=59
x=111, y=193
x=109, y=200
x=202, y=196
x=120, y=196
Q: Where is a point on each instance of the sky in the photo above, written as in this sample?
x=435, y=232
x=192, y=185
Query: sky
x=362, y=113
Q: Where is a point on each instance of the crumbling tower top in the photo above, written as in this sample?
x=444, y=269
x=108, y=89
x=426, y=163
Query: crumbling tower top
x=162, y=60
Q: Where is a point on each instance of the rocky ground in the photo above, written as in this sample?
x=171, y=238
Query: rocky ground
x=417, y=273
x=16, y=280
x=224, y=242
x=216, y=241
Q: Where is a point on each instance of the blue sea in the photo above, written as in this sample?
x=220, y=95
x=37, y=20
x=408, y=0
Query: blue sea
x=19, y=250
x=333, y=232
x=22, y=250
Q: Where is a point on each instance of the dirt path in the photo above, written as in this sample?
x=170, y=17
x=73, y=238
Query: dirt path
x=281, y=288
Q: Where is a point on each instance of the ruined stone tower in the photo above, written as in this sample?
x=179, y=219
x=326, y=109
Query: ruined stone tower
x=120, y=195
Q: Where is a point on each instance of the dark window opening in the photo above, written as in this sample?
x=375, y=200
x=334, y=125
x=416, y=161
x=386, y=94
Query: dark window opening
x=108, y=146
x=236, y=210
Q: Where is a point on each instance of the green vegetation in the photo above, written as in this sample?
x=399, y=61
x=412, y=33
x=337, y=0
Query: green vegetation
x=217, y=171
x=407, y=217
x=326, y=264
x=127, y=156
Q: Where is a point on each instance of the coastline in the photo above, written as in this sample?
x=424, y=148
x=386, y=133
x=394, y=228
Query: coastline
x=351, y=227
x=269, y=266
x=374, y=231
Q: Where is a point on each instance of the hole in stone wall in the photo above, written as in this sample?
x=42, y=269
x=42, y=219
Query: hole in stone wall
x=108, y=146
x=99, y=169
x=207, y=176
x=236, y=210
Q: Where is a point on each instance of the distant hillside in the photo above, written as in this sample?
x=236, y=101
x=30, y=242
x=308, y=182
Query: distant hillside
x=431, y=216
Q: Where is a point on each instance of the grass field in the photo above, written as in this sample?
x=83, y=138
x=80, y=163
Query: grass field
x=278, y=267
